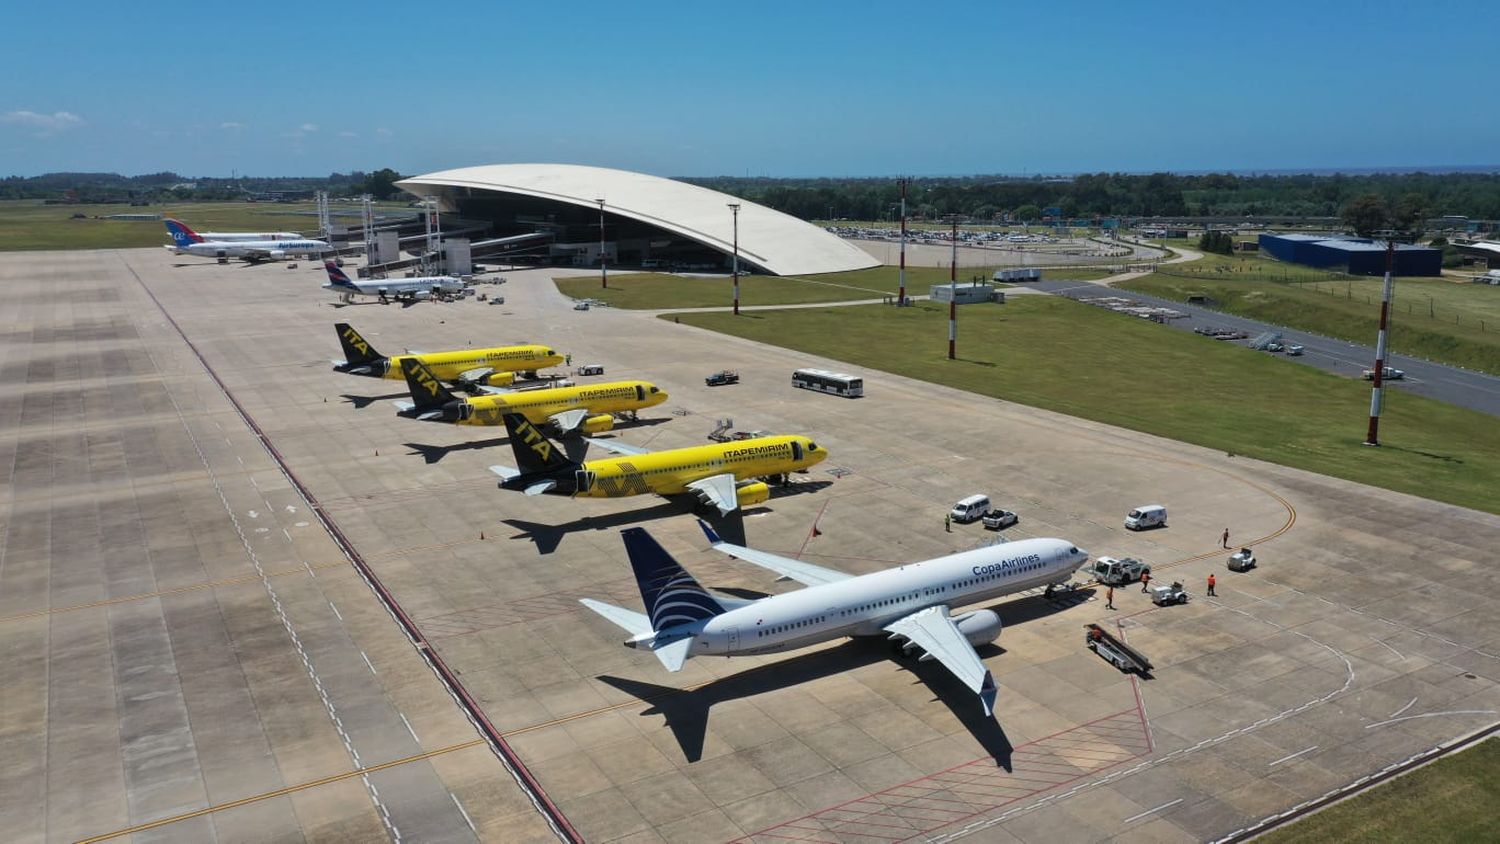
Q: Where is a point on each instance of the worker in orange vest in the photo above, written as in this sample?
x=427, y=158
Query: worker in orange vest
x=1145, y=581
x=1211, y=583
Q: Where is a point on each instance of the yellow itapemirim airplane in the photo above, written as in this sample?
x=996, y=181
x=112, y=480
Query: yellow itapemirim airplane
x=587, y=410
x=725, y=475
x=470, y=370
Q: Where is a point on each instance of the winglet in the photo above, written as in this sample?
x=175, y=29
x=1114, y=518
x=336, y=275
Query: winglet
x=708, y=531
x=987, y=694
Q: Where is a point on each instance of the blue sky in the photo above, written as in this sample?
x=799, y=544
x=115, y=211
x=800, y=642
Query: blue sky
x=765, y=88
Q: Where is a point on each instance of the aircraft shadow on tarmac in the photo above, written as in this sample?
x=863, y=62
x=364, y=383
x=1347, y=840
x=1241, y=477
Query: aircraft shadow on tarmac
x=548, y=537
x=362, y=402
x=686, y=712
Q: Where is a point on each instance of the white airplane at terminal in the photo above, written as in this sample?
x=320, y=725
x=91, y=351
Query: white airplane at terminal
x=225, y=237
x=186, y=242
x=911, y=603
x=403, y=289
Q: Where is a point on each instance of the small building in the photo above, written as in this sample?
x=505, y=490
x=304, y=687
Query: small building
x=1353, y=255
x=966, y=294
x=1246, y=246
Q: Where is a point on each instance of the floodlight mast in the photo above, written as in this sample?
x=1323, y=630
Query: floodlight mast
x=734, y=208
x=1377, y=392
x=603, y=264
x=901, y=295
x=953, y=293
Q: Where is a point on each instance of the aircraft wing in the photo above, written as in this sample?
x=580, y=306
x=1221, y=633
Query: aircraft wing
x=934, y=632
x=804, y=573
x=476, y=374
x=568, y=421
x=717, y=490
x=619, y=447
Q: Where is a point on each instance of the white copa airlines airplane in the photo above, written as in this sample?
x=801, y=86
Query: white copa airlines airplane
x=222, y=237
x=400, y=289
x=910, y=602
x=184, y=241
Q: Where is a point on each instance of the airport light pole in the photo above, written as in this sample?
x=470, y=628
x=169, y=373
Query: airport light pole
x=1377, y=395
x=901, y=295
x=603, y=264
x=953, y=293
x=734, y=208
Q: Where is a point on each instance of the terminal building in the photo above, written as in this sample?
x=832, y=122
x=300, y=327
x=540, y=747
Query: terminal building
x=554, y=213
x=1353, y=255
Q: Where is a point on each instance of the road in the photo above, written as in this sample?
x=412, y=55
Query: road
x=1465, y=388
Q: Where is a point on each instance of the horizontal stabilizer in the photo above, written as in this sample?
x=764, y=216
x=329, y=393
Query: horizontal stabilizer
x=404, y=406
x=539, y=488
x=568, y=421
x=634, y=623
x=506, y=472
x=674, y=653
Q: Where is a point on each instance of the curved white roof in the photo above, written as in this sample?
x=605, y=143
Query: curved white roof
x=777, y=243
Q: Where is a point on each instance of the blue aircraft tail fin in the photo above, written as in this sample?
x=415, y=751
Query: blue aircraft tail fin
x=181, y=234
x=671, y=595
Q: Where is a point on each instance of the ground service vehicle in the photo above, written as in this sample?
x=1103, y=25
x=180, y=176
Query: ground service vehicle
x=591, y=369
x=1000, y=519
x=1167, y=595
x=1242, y=560
x=1294, y=350
x=823, y=381
x=1391, y=374
x=1149, y=516
x=970, y=509
x=1116, y=652
x=1113, y=572
x=725, y=376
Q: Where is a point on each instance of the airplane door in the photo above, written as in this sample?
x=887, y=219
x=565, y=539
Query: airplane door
x=640, y=393
x=731, y=639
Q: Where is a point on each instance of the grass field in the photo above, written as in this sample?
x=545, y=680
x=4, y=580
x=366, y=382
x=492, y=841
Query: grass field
x=1432, y=318
x=1451, y=800
x=32, y=225
x=1082, y=361
x=657, y=291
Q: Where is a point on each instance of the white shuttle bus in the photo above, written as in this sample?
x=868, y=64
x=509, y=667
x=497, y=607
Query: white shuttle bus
x=823, y=381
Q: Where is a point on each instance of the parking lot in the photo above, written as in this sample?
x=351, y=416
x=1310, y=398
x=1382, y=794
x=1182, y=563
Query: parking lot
x=166, y=595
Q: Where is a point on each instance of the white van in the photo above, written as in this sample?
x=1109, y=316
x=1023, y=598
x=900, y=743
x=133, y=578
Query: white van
x=970, y=509
x=1150, y=516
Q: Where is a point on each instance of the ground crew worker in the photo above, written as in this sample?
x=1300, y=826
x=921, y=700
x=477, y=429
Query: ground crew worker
x=948, y=523
x=1145, y=581
x=1224, y=540
x=1096, y=634
x=1109, y=598
x=567, y=360
x=1211, y=583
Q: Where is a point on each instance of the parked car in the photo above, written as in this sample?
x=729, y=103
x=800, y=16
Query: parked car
x=722, y=377
x=1391, y=374
x=1150, y=516
x=998, y=519
x=1294, y=350
x=970, y=509
x=581, y=306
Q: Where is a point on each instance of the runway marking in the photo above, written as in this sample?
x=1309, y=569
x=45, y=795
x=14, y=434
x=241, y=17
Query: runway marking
x=1409, y=705
x=461, y=811
x=211, y=584
x=371, y=666
x=1153, y=811
x=1291, y=756
x=282, y=792
x=409, y=729
x=336, y=611
x=1387, y=646
x=1431, y=715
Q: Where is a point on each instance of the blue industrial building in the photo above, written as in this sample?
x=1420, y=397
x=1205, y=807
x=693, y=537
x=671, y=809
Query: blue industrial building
x=1353, y=255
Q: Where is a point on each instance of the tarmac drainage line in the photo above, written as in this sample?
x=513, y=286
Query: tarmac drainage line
x=518, y=770
x=1389, y=772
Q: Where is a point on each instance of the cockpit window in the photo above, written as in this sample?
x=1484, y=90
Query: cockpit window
x=655, y=389
x=1073, y=550
x=812, y=446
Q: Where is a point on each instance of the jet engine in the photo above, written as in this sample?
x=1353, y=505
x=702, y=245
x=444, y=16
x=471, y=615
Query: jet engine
x=597, y=424
x=755, y=492
x=980, y=627
x=277, y=254
x=500, y=379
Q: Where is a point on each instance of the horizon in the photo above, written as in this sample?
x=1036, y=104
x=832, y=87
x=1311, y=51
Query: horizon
x=783, y=89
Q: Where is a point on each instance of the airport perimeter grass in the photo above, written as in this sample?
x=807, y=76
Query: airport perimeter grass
x=28, y=224
x=1432, y=318
x=658, y=291
x=1089, y=362
x=1451, y=800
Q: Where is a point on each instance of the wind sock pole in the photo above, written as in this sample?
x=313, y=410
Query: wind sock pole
x=1377, y=396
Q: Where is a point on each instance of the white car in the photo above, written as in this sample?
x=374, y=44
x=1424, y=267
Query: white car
x=581, y=306
x=1391, y=374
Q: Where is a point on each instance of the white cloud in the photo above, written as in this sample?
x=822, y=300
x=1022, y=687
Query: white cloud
x=43, y=124
x=309, y=127
x=348, y=134
x=383, y=132
x=231, y=125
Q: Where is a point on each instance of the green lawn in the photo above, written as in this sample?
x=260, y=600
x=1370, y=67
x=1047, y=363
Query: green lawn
x=32, y=225
x=1432, y=317
x=1089, y=362
x=1451, y=800
x=656, y=291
